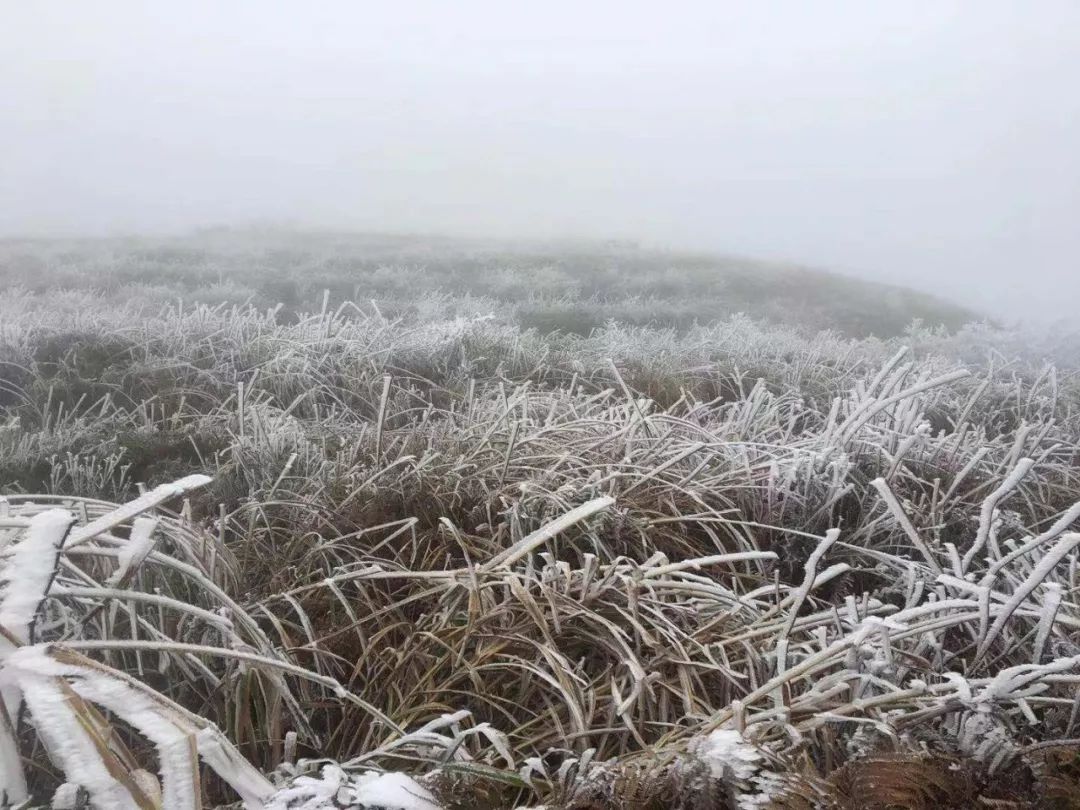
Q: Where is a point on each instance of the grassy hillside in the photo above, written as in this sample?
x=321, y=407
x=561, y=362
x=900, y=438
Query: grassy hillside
x=724, y=565
x=567, y=287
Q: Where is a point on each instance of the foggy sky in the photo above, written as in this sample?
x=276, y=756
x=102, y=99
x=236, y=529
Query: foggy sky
x=930, y=143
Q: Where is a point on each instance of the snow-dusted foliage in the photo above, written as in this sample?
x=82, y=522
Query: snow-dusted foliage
x=447, y=562
x=59, y=688
x=27, y=568
x=334, y=788
x=728, y=755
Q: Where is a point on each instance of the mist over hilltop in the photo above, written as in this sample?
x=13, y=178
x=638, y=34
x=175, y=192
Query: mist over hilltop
x=927, y=144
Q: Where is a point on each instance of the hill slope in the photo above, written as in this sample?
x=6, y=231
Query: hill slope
x=570, y=287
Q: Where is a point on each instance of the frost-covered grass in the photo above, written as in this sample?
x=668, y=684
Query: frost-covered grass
x=480, y=566
x=568, y=286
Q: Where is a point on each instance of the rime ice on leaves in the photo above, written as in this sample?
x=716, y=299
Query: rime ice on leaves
x=336, y=789
x=728, y=755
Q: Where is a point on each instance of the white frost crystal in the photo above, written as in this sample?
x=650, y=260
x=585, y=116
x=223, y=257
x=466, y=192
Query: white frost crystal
x=334, y=788
x=728, y=755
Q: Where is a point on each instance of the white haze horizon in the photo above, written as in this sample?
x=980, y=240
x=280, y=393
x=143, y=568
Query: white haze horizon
x=930, y=145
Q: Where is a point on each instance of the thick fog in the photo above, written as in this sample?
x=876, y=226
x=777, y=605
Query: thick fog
x=931, y=143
